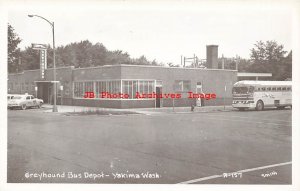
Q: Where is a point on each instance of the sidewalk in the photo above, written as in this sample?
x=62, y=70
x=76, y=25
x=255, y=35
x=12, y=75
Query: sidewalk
x=186, y=109
x=147, y=111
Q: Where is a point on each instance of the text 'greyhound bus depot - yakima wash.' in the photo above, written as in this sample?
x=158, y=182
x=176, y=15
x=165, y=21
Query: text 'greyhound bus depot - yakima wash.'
x=261, y=94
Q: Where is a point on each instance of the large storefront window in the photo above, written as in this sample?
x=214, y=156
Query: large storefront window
x=97, y=87
x=129, y=87
x=88, y=86
x=112, y=87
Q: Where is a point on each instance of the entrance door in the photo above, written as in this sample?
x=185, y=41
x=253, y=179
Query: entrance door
x=44, y=89
x=158, y=100
x=199, y=101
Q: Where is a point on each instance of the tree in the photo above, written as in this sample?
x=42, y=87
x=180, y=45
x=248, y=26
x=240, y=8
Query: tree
x=13, y=52
x=81, y=54
x=287, y=67
x=30, y=59
x=269, y=57
x=141, y=61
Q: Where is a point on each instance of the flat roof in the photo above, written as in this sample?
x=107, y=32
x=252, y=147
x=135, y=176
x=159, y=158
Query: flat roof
x=248, y=74
x=127, y=65
x=263, y=83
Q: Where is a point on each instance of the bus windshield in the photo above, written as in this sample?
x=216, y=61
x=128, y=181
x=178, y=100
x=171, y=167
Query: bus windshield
x=242, y=90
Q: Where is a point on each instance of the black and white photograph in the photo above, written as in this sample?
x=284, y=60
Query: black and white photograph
x=152, y=93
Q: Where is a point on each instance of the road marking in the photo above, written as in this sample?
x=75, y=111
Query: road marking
x=245, y=170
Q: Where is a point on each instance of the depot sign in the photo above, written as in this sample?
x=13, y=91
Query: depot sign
x=43, y=57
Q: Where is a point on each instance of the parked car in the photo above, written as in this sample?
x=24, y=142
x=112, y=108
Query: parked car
x=10, y=96
x=24, y=102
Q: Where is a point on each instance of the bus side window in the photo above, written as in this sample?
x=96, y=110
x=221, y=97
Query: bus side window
x=279, y=89
x=258, y=89
x=284, y=88
x=273, y=89
x=288, y=89
x=263, y=89
x=269, y=89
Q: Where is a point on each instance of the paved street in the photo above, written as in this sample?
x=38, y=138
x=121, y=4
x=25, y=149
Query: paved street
x=194, y=148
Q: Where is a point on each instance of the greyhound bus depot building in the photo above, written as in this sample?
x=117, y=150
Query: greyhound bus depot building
x=72, y=83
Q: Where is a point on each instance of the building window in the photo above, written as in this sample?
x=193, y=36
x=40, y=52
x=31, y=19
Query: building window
x=100, y=87
x=151, y=86
x=131, y=87
x=112, y=87
x=88, y=86
x=182, y=86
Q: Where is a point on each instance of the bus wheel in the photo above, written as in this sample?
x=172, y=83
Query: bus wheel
x=259, y=105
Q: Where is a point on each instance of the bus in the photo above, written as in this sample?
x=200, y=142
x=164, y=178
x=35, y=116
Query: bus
x=261, y=94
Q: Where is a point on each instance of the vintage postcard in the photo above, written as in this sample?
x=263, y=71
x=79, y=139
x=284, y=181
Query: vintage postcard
x=99, y=94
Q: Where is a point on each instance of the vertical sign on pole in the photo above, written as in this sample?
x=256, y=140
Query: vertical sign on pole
x=43, y=58
x=42, y=63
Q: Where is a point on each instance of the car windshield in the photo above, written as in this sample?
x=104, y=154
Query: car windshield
x=17, y=97
x=242, y=90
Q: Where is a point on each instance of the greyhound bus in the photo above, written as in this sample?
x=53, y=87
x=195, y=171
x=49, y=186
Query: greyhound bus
x=261, y=94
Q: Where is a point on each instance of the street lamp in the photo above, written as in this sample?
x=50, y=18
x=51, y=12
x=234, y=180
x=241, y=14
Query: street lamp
x=54, y=68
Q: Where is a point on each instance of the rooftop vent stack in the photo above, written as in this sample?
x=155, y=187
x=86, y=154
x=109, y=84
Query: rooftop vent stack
x=212, y=56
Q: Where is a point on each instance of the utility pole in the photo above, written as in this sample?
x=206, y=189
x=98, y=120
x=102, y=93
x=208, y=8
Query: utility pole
x=223, y=62
x=54, y=67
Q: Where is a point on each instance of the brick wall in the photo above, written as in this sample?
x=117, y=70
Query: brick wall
x=213, y=81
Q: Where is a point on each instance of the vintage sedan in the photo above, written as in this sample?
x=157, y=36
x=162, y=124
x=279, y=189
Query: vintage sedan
x=11, y=96
x=24, y=102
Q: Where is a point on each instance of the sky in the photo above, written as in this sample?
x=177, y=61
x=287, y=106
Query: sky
x=160, y=31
